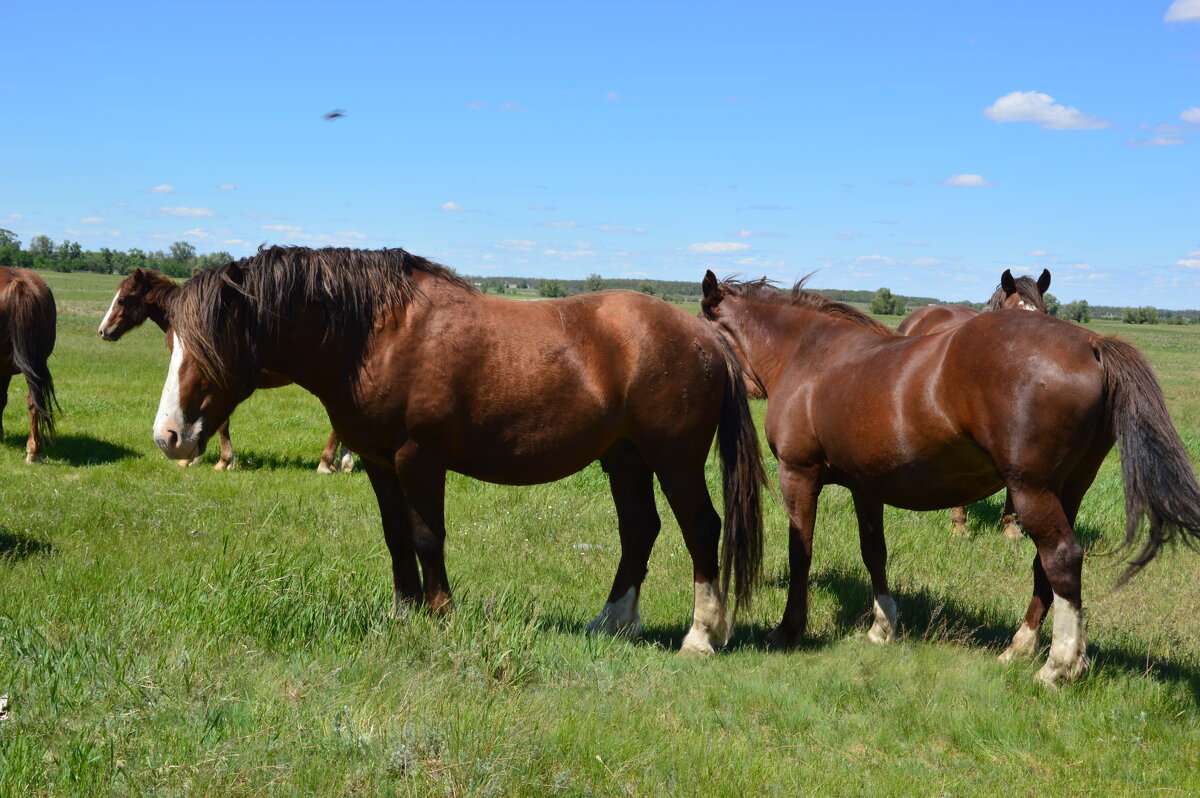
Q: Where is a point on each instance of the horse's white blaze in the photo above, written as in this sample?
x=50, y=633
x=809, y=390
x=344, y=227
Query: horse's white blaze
x=1023, y=305
x=170, y=414
x=1068, y=648
x=712, y=624
x=886, y=614
x=108, y=313
x=620, y=616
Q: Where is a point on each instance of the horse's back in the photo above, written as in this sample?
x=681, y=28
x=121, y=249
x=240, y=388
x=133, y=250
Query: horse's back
x=935, y=318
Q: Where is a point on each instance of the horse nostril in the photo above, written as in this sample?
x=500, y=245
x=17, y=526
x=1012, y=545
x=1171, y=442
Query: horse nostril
x=172, y=439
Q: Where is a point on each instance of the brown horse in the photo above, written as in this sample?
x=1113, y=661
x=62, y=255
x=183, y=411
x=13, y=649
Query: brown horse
x=423, y=374
x=1020, y=293
x=147, y=294
x=919, y=423
x=27, y=329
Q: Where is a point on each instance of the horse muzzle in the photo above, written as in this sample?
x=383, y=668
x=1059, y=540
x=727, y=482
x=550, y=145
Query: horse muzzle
x=180, y=441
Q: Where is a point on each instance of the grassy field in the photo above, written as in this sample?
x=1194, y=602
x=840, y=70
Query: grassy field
x=170, y=631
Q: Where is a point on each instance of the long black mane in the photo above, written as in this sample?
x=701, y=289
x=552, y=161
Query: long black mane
x=222, y=312
x=765, y=289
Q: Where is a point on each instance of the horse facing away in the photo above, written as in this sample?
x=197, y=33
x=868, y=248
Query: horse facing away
x=147, y=294
x=1020, y=293
x=421, y=374
x=911, y=422
x=28, y=319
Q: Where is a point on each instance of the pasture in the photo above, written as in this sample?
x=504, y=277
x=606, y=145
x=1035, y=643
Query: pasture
x=178, y=631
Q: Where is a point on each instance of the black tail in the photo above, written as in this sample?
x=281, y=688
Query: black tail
x=1160, y=483
x=31, y=329
x=742, y=478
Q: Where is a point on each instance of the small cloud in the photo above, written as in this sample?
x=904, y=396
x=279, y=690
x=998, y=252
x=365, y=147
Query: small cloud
x=227, y=186
x=517, y=244
x=511, y=106
x=1037, y=253
x=1183, y=11
x=351, y=234
x=612, y=228
x=967, y=181
x=197, y=233
x=73, y=231
x=874, y=259
x=165, y=188
x=1190, y=115
x=578, y=253
x=91, y=220
x=542, y=208
x=237, y=242
x=1192, y=261
x=848, y=235
x=1083, y=267
x=717, y=247
x=1033, y=106
x=190, y=213
x=281, y=228
x=477, y=106
x=1172, y=140
x=561, y=225
x=923, y=262
x=451, y=206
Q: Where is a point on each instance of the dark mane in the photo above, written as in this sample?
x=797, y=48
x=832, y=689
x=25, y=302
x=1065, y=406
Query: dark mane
x=236, y=302
x=162, y=289
x=1027, y=287
x=765, y=290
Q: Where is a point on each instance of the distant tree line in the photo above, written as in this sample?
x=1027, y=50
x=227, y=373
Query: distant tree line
x=179, y=260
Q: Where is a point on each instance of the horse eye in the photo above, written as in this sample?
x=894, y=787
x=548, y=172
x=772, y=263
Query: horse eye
x=121, y=300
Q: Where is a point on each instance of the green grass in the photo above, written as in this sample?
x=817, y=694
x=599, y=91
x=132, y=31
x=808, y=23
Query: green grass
x=176, y=631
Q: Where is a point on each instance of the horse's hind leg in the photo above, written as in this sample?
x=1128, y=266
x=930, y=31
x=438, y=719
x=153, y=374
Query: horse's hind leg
x=425, y=492
x=712, y=623
x=1012, y=530
x=800, y=490
x=958, y=517
x=1057, y=575
x=632, y=484
x=226, y=459
x=33, y=447
x=874, y=556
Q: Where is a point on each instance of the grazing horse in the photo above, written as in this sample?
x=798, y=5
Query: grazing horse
x=422, y=374
x=27, y=330
x=912, y=422
x=1020, y=293
x=147, y=294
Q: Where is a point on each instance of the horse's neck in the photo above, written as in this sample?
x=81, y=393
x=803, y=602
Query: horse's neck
x=772, y=332
x=158, y=301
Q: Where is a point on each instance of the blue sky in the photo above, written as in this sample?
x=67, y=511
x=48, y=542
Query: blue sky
x=924, y=146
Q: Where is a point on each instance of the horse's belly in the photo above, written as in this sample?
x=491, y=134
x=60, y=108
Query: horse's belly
x=933, y=482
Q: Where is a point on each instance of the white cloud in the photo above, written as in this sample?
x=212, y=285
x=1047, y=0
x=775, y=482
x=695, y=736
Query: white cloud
x=848, y=235
x=1190, y=115
x=1033, y=106
x=717, y=247
x=227, y=186
x=1192, y=261
x=281, y=228
x=237, y=242
x=579, y=253
x=1037, y=253
x=517, y=244
x=1172, y=140
x=542, y=208
x=477, y=106
x=165, y=188
x=451, y=206
x=612, y=228
x=91, y=220
x=561, y=225
x=967, y=181
x=191, y=213
x=354, y=234
x=512, y=105
x=1183, y=11
x=197, y=233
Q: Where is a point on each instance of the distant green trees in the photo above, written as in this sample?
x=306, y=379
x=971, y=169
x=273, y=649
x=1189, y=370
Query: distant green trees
x=551, y=289
x=1053, y=306
x=594, y=282
x=1076, y=311
x=69, y=256
x=884, y=303
x=1143, y=315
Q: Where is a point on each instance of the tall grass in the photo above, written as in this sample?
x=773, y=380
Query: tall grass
x=176, y=631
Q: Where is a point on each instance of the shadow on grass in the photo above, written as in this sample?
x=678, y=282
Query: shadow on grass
x=16, y=546
x=259, y=461
x=75, y=450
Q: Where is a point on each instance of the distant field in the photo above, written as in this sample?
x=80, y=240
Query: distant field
x=176, y=631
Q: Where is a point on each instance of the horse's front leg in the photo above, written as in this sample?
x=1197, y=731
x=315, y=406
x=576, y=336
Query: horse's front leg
x=800, y=487
x=394, y=513
x=425, y=495
x=226, y=460
x=874, y=556
x=33, y=446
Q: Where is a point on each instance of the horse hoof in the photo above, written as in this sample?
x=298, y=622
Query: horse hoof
x=183, y=463
x=222, y=466
x=880, y=634
x=1053, y=673
x=1013, y=532
x=696, y=644
x=323, y=468
x=781, y=638
x=347, y=464
x=960, y=530
x=32, y=459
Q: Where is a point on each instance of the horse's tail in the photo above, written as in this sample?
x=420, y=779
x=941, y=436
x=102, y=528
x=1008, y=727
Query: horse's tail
x=742, y=478
x=1159, y=481
x=31, y=330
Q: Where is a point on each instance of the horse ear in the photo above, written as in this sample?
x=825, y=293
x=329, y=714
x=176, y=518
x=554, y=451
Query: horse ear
x=712, y=293
x=1008, y=283
x=1044, y=281
x=138, y=275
